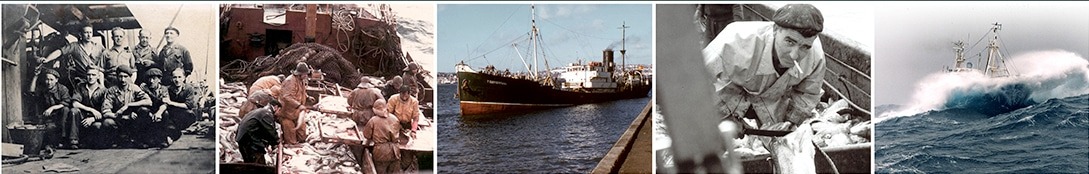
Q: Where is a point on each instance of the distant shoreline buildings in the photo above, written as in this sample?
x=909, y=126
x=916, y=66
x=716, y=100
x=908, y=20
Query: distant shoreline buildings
x=451, y=77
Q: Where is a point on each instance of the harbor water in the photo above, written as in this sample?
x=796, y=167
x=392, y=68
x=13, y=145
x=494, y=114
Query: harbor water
x=560, y=140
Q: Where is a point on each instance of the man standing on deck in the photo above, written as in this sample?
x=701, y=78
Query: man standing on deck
x=383, y=130
x=117, y=56
x=144, y=56
x=76, y=57
x=771, y=72
x=293, y=97
x=413, y=79
x=406, y=108
x=361, y=101
x=174, y=55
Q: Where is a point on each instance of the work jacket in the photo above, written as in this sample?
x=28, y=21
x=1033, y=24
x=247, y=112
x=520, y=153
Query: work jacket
x=383, y=131
x=740, y=59
x=292, y=96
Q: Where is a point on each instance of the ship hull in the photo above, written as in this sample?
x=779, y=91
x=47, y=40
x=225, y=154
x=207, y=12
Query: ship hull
x=489, y=94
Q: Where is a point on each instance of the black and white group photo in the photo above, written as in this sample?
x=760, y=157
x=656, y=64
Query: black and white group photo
x=105, y=88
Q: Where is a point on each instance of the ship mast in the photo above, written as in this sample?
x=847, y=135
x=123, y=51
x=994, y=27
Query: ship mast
x=960, y=55
x=992, y=68
x=533, y=38
x=623, y=46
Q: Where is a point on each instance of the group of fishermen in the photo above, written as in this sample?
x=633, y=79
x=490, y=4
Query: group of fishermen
x=118, y=96
x=387, y=114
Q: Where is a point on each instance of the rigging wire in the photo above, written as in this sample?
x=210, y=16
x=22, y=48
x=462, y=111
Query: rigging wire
x=573, y=31
x=1006, y=54
x=988, y=33
x=518, y=39
x=497, y=28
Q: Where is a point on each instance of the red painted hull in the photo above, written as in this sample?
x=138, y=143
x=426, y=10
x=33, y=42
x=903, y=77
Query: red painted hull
x=477, y=108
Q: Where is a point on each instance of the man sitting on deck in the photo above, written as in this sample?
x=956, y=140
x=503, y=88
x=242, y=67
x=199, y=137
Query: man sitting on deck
x=182, y=107
x=128, y=104
x=89, y=96
x=155, y=89
x=57, y=112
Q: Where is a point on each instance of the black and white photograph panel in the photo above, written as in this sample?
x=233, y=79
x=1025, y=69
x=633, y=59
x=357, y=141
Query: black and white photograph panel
x=108, y=88
x=761, y=88
x=327, y=88
x=987, y=87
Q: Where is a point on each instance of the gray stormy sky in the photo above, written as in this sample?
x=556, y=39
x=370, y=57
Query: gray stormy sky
x=915, y=39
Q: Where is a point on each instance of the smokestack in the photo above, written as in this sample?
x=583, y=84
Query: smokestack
x=607, y=59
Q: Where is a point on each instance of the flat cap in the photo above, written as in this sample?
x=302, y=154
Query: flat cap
x=172, y=28
x=803, y=18
x=125, y=69
x=49, y=71
x=154, y=72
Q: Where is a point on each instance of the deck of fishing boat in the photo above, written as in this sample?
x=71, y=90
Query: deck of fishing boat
x=632, y=152
x=190, y=154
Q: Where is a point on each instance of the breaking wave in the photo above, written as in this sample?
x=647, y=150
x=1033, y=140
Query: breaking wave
x=1038, y=76
x=1047, y=137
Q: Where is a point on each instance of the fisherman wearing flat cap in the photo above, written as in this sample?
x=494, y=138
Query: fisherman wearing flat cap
x=56, y=108
x=157, y=92
x=770, y=71
x=128, y=104
x=174, y=55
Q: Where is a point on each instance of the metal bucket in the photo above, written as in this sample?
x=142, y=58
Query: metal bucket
x=30, y=137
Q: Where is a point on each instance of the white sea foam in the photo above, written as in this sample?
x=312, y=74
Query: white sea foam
x=1047, y=74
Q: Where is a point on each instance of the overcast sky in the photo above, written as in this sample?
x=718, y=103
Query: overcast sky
x=569, y=32
x=915, y=39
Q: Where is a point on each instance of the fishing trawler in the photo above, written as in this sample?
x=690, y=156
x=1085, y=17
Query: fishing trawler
x=996, y=66
x=489, y=91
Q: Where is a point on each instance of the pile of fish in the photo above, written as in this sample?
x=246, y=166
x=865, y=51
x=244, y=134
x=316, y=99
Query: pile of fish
x=325, y=150
x=831, y=129
x=837, y=129
x=313, y=156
